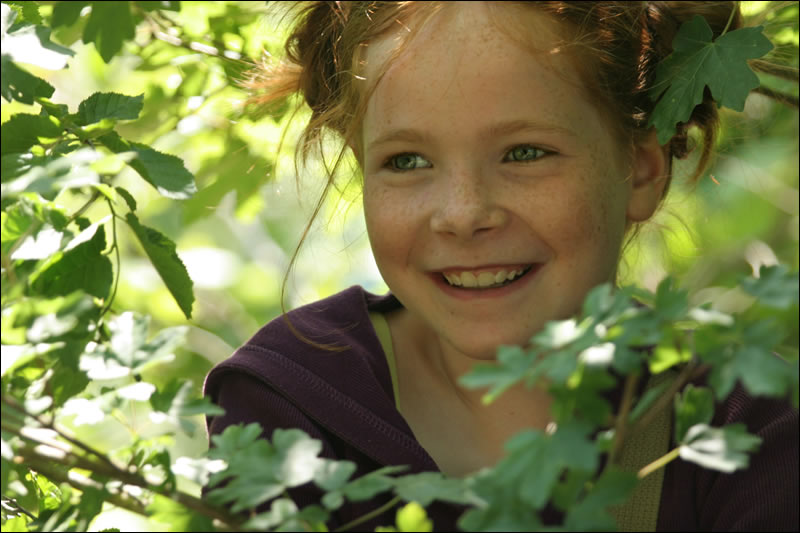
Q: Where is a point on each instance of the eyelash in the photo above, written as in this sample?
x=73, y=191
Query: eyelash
x=390, y=162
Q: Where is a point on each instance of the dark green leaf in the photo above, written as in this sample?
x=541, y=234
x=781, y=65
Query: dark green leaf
x=22, y=131
x=722, y=449
x=591, y=513
x=110, y=24
x=81, y=268
x=775, y=287
x=66, y=13
x=169, y=266
x=697, y=62
x=19, y=84
x=164, y=172
x=694, y=406
x=128, y=197
x=163, y=5
x=109, y=105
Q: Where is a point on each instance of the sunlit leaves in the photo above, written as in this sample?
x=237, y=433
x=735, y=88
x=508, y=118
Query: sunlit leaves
x=163, y=171
x=775, y=287
x=697, y=62
x=22, y=131
x=110, y=25
x=117, y=106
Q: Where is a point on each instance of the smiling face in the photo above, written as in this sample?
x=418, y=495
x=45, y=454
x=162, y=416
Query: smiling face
x=495, y=195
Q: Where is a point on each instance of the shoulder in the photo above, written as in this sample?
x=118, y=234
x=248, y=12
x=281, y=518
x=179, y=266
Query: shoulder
x=331, y=340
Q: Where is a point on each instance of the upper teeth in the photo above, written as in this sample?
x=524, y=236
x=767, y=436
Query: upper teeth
x=482, y=279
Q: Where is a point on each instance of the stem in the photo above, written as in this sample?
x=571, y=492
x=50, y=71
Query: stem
x=620, y=427
x=783, y=98
x=361, y=519
x=119, y=264
x=728, y=24
x=83, y=208
x=658, y=463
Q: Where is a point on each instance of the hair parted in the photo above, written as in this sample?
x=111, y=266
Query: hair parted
x=616, y=47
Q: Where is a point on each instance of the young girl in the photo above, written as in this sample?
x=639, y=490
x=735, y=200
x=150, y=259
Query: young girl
x=505, y=160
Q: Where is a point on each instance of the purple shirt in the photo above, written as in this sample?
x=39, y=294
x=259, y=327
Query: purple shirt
x=345, y=399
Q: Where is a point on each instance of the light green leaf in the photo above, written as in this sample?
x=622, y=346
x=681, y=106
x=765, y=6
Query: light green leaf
x=333, y=474
x=110, y=24
x=697, y=62
x=412, y=517
x=116, y=106
x=164, y=172
x=169, y=266
x=175, y=517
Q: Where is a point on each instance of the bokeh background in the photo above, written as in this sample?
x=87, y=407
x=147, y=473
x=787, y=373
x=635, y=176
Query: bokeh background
x=237, y=234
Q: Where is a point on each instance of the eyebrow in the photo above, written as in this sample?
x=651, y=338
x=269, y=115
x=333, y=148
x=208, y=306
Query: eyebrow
x=412, y=135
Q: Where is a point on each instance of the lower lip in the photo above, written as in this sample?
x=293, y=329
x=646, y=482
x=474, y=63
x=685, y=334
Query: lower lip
x=479, y=294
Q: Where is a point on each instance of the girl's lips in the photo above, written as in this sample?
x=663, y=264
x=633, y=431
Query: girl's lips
x=498, y=292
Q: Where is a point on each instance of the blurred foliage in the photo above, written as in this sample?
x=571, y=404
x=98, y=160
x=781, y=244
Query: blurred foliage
x=133, y=171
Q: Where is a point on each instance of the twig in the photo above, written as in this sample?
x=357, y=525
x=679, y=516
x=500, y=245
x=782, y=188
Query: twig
x=361, y=519
x=779, y=71
x=17, y=507
x=658, y=463
x=621, y=424
x=783, y=98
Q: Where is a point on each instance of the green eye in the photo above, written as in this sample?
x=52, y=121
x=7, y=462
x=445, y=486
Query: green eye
x=409, y=161
x=524, y=152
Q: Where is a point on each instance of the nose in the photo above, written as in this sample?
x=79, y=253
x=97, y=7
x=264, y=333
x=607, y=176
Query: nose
x=466, y=205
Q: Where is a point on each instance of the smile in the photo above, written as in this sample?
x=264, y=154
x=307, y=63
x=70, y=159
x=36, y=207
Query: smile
x=485, y=279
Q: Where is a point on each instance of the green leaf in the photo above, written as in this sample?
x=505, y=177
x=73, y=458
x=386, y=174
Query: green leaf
x=161, y=5
x=426, y=487
x=333, y=474
x=697, y=62
x=128, y=197
x=22, y=131
x=83, y=267
x=722, y=449
x=175, y=517
x=116, y=106
x=66, y=13
x=22, y=217
x=110, y=24
x=51, y=175
x=694, y=406
x=163, y=171
x=169, y=266
x=775, y=287
x=591, y=514
x=28, y=11
x=19, y=84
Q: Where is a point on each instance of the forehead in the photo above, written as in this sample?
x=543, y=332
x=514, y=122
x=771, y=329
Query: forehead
x=491, y=60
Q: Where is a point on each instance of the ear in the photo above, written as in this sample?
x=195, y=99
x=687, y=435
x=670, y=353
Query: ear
x=650, y=174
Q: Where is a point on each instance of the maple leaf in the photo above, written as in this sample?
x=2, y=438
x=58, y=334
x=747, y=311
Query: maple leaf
x=697, y=62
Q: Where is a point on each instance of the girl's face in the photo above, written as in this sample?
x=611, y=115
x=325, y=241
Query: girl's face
x=495, y=194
